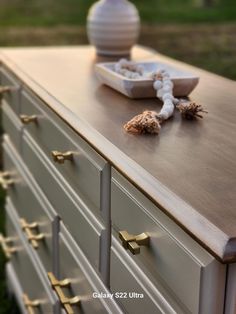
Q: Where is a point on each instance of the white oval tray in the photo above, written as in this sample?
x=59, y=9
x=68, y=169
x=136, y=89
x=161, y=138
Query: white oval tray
x=184, y=82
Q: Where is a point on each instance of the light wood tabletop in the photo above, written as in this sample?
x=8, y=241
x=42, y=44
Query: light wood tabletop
x=188, y=170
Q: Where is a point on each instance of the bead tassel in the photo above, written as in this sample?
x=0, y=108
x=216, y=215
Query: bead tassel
x=191, y=110
x=150, y=121
x=146, y=122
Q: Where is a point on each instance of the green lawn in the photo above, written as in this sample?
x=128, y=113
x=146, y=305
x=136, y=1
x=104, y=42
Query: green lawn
x=212, y=47
x=182, y=29
x=73, y=12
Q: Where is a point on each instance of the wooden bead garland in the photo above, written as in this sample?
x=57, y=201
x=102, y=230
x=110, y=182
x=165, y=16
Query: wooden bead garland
x=129, y=69
x=150, y=121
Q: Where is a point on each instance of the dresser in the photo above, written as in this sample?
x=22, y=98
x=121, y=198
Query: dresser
x=102, y=221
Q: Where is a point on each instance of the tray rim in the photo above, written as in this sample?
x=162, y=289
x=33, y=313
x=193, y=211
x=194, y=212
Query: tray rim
x=103, y=66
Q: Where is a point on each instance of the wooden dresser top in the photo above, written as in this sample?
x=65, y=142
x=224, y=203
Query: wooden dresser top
x=189, y=170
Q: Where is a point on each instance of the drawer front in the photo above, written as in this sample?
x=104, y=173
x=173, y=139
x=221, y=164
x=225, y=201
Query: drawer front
x=31, y=283
x=171, y=257
x=12, y=97
x=51, y=134
x=134, y=291
x=83, y=225
x=29, y=207
x=72, y=266
x=11, y=125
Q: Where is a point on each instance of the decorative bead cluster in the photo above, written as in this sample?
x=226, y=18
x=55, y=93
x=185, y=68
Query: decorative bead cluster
x=150, y=121
x=164, y=91
x=129, y=69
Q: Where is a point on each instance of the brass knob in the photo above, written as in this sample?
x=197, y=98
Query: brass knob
x=29, y=304
x=5, y=242
x=57, y=286
x=32, y=237
x=133, y=242
x=60, y=157
x=5, y=180
x=25, y=119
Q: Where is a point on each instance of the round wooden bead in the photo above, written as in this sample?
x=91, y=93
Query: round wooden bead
x=168, y=96
x=176, y=101
x=164, y=115
x=160, y=93
x=117, y=67
x=169, y=83
x=165, y=75
x=140, y=69
x=123, y=62
x=157, y=85
x=167, y=88
x=136, y=76
x=168, y=102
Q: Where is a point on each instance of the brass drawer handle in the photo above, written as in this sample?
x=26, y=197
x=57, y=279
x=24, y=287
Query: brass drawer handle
x=25, y=119
x=4, y=89
x=133, y=242
x=5, y=180
x=60, y=157
x=57, y=286
x=29, y=304
x=32, y=237
x=8, y=251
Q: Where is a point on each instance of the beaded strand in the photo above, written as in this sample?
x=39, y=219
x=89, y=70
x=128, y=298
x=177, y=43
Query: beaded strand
x=150, y=121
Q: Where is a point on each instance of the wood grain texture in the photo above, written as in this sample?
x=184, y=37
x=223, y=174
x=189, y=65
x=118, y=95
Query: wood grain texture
x=189, y=170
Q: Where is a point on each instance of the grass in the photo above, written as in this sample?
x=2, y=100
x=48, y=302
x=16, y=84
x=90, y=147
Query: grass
x=74, y=12
x=182, y=29
x=212, y=47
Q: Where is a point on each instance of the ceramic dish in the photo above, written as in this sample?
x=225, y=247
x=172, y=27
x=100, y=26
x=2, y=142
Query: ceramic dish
x=184, y=82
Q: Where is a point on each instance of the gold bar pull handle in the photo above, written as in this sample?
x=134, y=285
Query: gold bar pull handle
x=57, y=286
x=5, y=244
x=5, y=180
x=133, y=242
x=5, y=89
x=29, y=304
x=26, y=119
x=60, y=157
x=33, y=238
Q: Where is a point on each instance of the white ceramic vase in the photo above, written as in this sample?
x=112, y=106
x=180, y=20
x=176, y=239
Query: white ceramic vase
x=113, y=27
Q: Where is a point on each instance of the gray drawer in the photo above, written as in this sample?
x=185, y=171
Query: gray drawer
x=11, y=125
x=83, y=280
x=29, y=206
x=83, y=225
x=31, y=281
x=51, y=134
x=134, y=291
x=13, y=96
x=171, y=257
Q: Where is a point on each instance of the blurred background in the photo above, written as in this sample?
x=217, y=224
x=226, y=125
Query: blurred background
x=199, y=32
